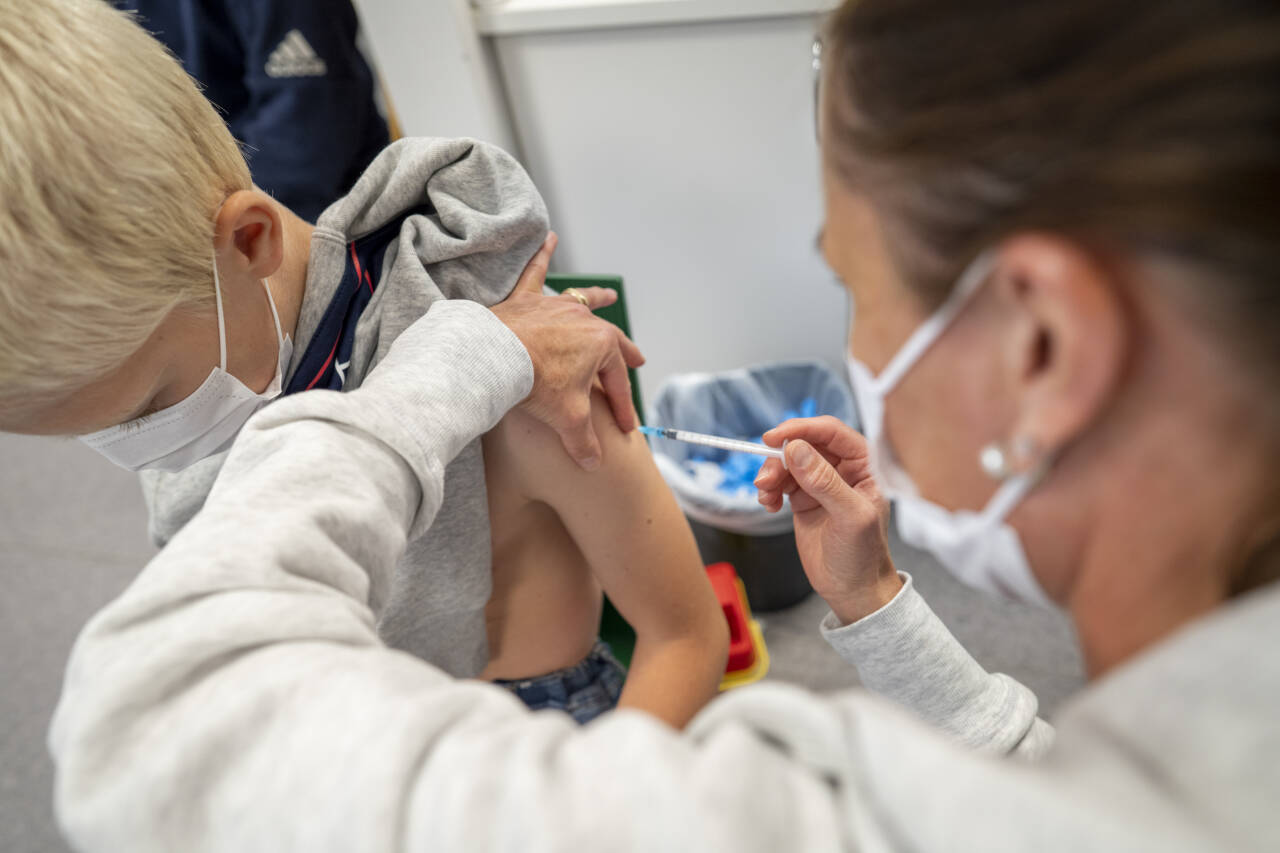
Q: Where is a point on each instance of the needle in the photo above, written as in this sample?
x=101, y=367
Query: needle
x=714, y=441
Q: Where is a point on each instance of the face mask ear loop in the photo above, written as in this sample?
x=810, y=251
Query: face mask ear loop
x=929, y=331
x=222, y=330
x=1013, y=490
x=275, y=315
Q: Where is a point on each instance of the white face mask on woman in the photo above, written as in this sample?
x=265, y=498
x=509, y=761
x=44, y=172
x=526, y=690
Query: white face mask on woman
x=202, y=424
x=980, y=549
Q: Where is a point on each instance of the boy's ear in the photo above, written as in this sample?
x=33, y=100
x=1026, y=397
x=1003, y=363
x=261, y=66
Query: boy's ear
x=1072, y=339
x=249, y=234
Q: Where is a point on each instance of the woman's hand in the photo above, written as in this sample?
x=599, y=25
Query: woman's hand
x=571, y=349
x=841, y=518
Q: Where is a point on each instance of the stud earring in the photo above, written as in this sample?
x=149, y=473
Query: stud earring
x=994, y=461
x=1001, y=460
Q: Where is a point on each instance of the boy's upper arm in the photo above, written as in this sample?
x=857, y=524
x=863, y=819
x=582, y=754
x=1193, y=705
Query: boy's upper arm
x=623, y=518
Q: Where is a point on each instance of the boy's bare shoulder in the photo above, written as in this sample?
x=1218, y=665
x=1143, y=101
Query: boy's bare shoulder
x=531, y=453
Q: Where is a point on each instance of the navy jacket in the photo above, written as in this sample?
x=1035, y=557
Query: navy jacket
x=291, y=82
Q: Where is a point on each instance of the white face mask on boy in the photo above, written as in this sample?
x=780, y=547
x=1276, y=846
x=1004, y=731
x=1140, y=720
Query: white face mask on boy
x=202, y=424
x=980, y=549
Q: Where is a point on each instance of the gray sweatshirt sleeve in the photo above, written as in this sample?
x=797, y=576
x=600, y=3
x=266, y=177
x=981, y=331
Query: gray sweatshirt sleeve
x=173, y=498
x=236, y=696
x=905, y=653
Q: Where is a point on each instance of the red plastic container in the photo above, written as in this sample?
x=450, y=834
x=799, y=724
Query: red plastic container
x=724, y=580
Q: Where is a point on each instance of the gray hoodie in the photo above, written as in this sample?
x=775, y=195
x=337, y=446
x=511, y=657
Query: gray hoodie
x=457, y=219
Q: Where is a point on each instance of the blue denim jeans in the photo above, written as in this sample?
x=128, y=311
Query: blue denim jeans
x=584, y=691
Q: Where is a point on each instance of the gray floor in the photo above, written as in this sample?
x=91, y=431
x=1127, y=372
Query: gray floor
x=72, y=536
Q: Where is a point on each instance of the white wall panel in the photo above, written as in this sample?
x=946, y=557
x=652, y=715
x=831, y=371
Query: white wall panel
x=683, y=157
x=439, y=71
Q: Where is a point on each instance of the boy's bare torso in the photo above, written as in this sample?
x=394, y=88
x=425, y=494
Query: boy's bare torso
x=544, y=612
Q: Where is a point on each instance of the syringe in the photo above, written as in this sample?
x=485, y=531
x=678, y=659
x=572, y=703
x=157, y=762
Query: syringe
x=715, y=441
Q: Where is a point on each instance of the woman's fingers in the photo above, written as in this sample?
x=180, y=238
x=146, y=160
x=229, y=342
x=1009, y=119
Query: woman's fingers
x=773, y=482
x=535, y=272
x=534, y=277
x=617, y=387
x=630, y=352
x=816, y=478
x=772, y=499
x=770, y=474
x=831, y=436
x=840, y=446
x=819, y=484
x=774, y=476
x=597, y=297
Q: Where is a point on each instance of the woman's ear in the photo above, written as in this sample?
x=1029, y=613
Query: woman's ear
x=249, y=234
x=1068, y=356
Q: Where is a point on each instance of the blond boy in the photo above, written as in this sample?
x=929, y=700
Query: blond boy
x=153, y=299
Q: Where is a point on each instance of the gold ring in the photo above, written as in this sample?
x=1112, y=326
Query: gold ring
x=577, y=294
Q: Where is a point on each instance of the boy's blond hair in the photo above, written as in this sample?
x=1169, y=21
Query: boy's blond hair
x=112, y=167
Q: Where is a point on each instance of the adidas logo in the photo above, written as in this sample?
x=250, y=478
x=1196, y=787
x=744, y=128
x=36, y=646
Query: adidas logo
x=294, y=57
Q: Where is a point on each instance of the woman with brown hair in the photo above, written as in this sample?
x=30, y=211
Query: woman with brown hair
x=1062, y=255
x=1060, y=223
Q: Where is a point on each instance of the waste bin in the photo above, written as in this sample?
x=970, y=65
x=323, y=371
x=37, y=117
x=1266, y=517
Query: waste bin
x=728, y=522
